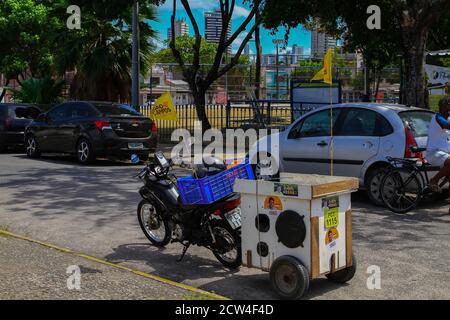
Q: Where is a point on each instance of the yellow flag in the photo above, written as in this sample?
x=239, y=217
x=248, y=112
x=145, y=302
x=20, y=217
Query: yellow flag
x=318, y=76
x=326, y=73
x=328, y=67
x=164, y=108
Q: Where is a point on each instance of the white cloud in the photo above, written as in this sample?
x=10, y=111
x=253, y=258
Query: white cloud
x=237, y=43
x=240, y=12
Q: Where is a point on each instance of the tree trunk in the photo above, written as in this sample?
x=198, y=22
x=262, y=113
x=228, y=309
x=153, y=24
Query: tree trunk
x=2, y=95
x=258, y=61
x=414, y=82
x=200, y=106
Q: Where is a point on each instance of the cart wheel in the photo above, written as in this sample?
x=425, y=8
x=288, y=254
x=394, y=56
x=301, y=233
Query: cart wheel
x=344, y=275
x=289, y=278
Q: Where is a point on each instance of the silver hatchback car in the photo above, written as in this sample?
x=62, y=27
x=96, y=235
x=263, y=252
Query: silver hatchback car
x=364, y=134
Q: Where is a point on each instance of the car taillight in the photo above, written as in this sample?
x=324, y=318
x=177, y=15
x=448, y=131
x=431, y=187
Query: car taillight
x=154, y=128
x=230, y=205
x=410, y=143
x=8, y=123
x=102, y=124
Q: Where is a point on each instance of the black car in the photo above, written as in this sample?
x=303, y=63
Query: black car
x=14, y=118
x=90, y=130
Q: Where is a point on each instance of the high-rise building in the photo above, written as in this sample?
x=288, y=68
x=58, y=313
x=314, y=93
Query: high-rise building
x=181, y=29
x=296, y=53
x=213, y=27
x=320, y=42
x=247, y=50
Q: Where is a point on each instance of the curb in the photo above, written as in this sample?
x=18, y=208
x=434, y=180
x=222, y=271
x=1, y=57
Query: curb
x=114, y=265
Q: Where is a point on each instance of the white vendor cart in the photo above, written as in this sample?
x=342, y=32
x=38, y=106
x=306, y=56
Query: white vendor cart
x=298, y=229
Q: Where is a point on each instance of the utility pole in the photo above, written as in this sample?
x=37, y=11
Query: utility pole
x=135, y=57
x=277, y=42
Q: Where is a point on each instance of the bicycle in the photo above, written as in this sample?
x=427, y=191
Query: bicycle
x=406, y=183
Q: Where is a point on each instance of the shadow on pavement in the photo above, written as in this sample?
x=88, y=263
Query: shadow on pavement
x=236, y=284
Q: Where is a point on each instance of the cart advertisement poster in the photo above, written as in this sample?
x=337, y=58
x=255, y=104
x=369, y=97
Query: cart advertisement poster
x=330, y=208
x=290, y=190
x=273, y=204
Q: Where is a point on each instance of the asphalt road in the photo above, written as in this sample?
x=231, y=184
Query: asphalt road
x=93, y=210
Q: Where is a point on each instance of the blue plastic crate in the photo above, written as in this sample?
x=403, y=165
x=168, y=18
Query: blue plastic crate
x=213, y=188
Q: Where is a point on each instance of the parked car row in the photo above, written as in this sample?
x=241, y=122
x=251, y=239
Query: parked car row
x=14, y=118
x=364, y=135
x=84, y=129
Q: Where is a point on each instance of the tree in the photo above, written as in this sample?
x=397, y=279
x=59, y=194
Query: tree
x=405, y=29
x=24, y=48
x=184, y=45
x=235, y=77
x=39, y=91
x=199, y=82
x=439, y=38
x=100, y=52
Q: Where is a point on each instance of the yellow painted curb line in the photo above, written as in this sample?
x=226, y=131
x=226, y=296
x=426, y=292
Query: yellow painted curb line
x=110, y=264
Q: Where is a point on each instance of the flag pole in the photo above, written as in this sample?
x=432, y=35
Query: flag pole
x=331, y=131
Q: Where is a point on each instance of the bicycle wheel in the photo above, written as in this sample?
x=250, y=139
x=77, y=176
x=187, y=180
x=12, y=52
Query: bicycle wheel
x=401, y=190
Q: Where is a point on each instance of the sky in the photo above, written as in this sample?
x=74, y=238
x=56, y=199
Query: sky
x=298, y=36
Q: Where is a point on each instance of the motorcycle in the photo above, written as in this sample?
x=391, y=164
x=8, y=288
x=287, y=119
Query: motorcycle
x=165, y=219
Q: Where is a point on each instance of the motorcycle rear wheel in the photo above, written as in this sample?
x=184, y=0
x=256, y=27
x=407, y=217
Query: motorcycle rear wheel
x=231, y=259
x=155, y=228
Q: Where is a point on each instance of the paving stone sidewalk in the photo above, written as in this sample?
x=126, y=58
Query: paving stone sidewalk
x=31, y=271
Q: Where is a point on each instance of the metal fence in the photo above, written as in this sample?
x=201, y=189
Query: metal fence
x=237, y=114
x=241, y=114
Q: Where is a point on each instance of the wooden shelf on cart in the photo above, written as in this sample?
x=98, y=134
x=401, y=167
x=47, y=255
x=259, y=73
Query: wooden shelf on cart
x=322, y=185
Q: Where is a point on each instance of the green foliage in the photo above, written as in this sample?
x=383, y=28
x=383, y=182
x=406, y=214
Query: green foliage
x=184, y=45
x=439, y=38
x=101, y=51
x=39, y=91
x=24, y=45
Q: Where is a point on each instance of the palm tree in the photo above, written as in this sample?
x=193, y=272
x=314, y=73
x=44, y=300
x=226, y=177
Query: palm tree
x=100, y=52
x=39, y=91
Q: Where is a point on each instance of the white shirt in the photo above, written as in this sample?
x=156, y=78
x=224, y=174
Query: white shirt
x=438, y=138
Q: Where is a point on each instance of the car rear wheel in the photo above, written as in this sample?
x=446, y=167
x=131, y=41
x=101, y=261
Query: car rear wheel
x=85, y=154
x=32, y=147
x=373, y=183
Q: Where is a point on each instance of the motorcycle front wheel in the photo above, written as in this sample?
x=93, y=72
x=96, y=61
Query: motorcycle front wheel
x=155, y=228
x=228, y=246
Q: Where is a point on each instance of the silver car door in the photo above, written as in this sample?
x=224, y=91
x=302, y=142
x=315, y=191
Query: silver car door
x=356, y=141
x=305, y=148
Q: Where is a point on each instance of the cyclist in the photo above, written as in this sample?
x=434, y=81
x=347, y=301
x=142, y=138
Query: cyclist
x=438, y=148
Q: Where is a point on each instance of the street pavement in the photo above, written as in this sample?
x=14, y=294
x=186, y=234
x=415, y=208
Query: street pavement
x=92, y=209
x=30, y=271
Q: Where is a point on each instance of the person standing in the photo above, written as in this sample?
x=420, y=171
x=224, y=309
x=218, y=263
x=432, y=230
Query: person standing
x=438, y=147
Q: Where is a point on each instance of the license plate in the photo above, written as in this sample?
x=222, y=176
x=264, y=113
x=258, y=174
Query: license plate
x=234, y=218
x=135, y=145
x=331, y=217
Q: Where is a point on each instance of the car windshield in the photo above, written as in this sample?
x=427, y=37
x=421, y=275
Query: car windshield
x=417, y=122
x=116, y=110
x=24, y=112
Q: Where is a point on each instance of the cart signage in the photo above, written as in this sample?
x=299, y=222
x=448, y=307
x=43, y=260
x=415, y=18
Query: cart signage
x=290, y=190
x=330, y=208
x=331, y=217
